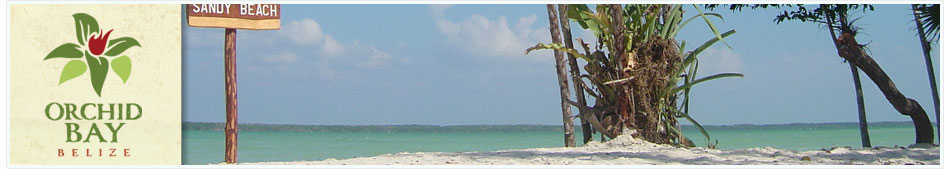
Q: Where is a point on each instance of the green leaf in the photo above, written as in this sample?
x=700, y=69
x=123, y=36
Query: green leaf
x=698, y=126
x=683, y=24
x=682, y=46
x=73, y=69
x=712, y=41
x=711, y=26
x=68, y=50
x=702, y=130
x=574, y=12
x=122, y=66
x=98, y=68
x=557, y=48
x=673, y=17
x=695, y=52
x=117, y=46
x=707, y=78
x=85, y=26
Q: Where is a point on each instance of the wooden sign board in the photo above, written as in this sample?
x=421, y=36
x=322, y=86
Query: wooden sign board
x=235, y=16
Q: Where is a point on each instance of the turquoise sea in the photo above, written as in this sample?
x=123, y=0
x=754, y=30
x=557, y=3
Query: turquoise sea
x=204, y=146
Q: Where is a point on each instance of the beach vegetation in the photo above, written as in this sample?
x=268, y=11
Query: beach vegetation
x=637, y=72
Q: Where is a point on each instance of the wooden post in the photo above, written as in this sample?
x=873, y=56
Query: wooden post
x=561, y=79
x=230, y=90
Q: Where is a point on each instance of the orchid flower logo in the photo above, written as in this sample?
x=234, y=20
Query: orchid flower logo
x=94, y=47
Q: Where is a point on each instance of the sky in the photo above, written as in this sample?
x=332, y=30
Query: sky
x=465, y=65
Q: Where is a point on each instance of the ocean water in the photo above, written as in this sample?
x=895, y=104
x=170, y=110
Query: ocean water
x=207, y=146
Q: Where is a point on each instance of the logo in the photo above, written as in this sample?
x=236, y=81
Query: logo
x=94, y=53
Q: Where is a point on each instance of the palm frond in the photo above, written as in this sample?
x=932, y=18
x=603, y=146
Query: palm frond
x=930, y=19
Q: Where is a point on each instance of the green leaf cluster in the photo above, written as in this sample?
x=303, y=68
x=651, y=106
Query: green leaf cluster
x=82, y=61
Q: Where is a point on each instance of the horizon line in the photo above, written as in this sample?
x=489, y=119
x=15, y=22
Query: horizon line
x=525, y=124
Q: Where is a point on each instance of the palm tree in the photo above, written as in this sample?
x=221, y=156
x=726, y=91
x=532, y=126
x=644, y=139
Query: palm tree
x=575, y=71
x=927, y=20
x=854, y=53
x=561, y=79
x=858, y=90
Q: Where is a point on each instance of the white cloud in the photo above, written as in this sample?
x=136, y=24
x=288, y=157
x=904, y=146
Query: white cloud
x=303, y=32
x=719, y=60
x=493, y=37
x=439, y=9
x=301, y=47
x=332, y=47
x=378, y=59
x=307, y=33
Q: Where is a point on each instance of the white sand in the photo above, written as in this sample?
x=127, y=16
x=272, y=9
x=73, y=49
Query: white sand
x=630, y=151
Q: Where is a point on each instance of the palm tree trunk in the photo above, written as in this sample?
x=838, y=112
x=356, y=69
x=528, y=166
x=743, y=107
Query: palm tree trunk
x=575, y=72
x=925, y=46
x=858, y=92
x=862, y=117
x=849, y=49
x=561, y=79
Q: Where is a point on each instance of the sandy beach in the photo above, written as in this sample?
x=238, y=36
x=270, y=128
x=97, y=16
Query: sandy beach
x=630, y=151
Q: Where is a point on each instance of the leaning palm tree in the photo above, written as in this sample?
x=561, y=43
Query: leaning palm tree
x=639, y=75
x=927, y=20
x=858, y=90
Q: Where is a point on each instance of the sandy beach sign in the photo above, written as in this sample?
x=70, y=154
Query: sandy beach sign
x=233, y=17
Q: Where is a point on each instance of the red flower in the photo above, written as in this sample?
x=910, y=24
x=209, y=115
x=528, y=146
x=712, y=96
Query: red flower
x=98, y=44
